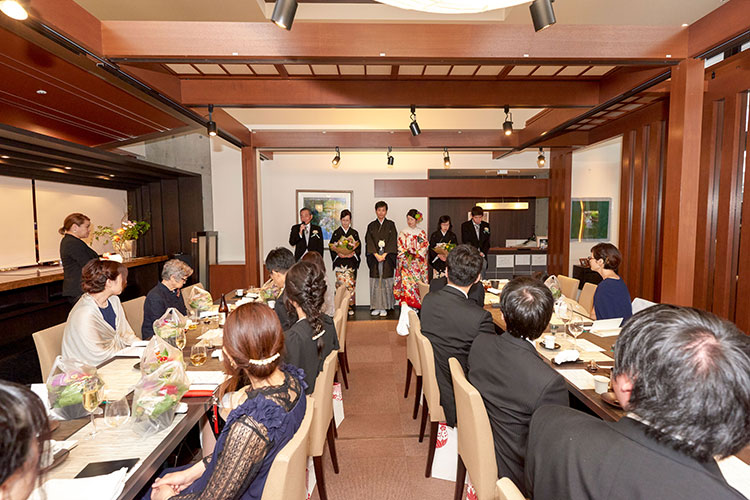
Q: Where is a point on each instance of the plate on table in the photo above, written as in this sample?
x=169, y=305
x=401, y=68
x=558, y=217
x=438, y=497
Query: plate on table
x=611, y=399
x=541, y=344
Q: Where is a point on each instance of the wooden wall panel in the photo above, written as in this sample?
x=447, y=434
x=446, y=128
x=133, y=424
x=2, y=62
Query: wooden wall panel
x=253, y=267
x=464, y=188
x=226, y=277
x=170, y=193
x=558, y=252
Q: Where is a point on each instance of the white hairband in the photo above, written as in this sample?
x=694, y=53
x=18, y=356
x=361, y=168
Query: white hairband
x=319, y=335
x=262, y=362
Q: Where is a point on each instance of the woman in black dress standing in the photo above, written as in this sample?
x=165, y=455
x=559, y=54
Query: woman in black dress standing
x=74, y=253
x=345, y=264
x=444, y=234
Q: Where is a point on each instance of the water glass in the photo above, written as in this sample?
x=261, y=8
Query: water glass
x=198, y=355
x=116, y=412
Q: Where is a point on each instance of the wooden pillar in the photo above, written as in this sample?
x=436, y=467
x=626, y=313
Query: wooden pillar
x=560, y=171
x=251, y=214
x=681, y=182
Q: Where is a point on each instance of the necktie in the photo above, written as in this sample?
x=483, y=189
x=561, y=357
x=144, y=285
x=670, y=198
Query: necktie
x=307, y=234
x=476, y=228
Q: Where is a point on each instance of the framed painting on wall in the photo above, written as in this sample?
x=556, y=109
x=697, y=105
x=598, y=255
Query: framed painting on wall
x=590, y=219
x=326, y=206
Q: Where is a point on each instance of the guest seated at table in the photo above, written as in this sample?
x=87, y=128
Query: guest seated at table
x=476, y=292
x=97, y=328
x=451, y=321
x=611, y=299
x=23, y=430
x=313, y=336
x=278, y=262
x=315, y=258
x=511, y=377
x=683, y=376
x=267, y=409
x=165, y=295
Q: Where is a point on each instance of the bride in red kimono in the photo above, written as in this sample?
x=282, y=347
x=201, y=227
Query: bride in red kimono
x=411, y=268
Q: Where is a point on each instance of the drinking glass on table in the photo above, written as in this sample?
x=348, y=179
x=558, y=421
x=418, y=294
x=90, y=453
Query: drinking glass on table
x=575, y=327
x=564, y=313
x=116, y=412
x=180, y=339
x=198, y=355
x=91, y=397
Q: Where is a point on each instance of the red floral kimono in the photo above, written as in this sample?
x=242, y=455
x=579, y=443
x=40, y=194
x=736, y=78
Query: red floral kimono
x=411, y=267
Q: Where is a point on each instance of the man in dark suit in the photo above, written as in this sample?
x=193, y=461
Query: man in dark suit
x=476, y=232
x=476, y=292
x=278, y=262
x=683, y=376
x=451, y=321
x=306, y=237
x=511, y=376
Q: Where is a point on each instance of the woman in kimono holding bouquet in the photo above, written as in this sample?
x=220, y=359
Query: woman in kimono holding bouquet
x=444, y=239
x=411, y=268
x=346, y=261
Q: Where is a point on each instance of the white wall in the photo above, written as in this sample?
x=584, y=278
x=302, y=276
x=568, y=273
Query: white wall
x=596, y=174
x=226, y=186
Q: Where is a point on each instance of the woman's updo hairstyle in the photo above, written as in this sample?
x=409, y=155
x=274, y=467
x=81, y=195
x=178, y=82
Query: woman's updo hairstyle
x=306, y=286
x=71, y=220
x=412, y=213
x=345, y=213
x=252, y=337
x=96, y=272
x=609, y=254
x=442, y=220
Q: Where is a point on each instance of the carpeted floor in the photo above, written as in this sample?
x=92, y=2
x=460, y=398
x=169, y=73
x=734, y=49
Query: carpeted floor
x=379, y=454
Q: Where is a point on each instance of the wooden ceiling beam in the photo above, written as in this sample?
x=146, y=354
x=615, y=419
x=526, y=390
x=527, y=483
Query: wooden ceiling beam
x=133, y=39
x=438, y=139
x=385, y=93
x=462, y=188
x=719, y=26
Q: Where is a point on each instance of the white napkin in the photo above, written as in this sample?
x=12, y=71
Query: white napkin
x=217, y=354
x=206, y=377
x=212, y=334
x=107, y=487
x=41, y=391
x=606, y=325
x=566, y=356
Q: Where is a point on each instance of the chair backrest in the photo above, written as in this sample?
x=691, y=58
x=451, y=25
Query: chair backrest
x=506, y=489
x=286, y=477
x=323, y=396
x=568, y=286
x=424, y=289
x=412, y=350
x=339, y=321
x=134, y=313
x=48, y=346
x=429, y=379
x=586, y=299
x=338, y=297
x=475, y=444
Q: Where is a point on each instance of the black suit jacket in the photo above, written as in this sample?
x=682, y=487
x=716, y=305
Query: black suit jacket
x=476, y=292
x=301, y=246
x=302, y=350
x=571, y=455
x=514, y=381
x=74, y=254
x=469, y=236
x=451, y=322
x=286, y=318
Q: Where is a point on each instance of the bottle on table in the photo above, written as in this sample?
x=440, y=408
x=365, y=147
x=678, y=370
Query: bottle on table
x=223, y=311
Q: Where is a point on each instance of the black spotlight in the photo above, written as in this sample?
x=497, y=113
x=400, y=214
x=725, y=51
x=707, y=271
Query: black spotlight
x=542, y=14
x=540, y=160
x=283, y=13
x=336, y=159
x=414, y=126
x=446, y=158
x=211, y=127
x=508, y=123
x=390, y=158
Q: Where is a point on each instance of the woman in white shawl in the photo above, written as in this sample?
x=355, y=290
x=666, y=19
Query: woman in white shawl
x=97, y=327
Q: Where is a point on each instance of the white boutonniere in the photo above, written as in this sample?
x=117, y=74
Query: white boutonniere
x=486, y=230
x=315, y=233
x=381, y=244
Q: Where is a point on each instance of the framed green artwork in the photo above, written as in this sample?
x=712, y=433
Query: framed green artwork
x=590, y=219
x=326, y=206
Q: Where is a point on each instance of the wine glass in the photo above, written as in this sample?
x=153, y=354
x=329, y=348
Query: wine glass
x=575, y=327
x=198, y=354
x=180, y=339
x=564, y=312
x=116, y=412
x=91, y=397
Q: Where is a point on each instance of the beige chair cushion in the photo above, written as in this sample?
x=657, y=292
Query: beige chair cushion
x=134, y=313
x=586, y=299
x=429, y=380
x=323, y=396
x=568, y=286
x=412, y=351
x=475, y=443
x=48, y=346
x=286, y=477
x=507, y=490
x=424, y=289
x=339, y=322
x=338, y=297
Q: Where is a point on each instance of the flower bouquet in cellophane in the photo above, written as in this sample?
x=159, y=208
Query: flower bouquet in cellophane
x=157, y=353
x=171, y=323
x=345, y=245
x=65, y=386
x=200, y=300
x=156, y=397
x=444, y=248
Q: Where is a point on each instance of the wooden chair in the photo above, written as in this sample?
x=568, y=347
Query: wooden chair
x=343, y=357
x=424, y=289
x=134, y=314
x=430, y=399
x=48, y=347
x=586, y=299
x=338, y=297
x=568, y=286
x=322, y=423
x=339, y=321
x=505, y=489
x=412, y=361
x=286, y=477
x=476, y=451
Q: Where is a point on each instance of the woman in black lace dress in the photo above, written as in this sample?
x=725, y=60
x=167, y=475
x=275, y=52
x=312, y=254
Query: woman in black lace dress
x=268, y=406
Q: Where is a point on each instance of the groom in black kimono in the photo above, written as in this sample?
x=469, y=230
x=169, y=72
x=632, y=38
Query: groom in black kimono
x=381, y=247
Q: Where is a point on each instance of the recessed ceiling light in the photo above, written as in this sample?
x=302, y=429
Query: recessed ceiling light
x=324, y=131
x=382, y=54
x=685, y=25
x=669, y=56
x=41, y=92
x=525, y=55
x=68, y=168
x=235, y=53
x=5, y=157
x=460, y=132
x=111, y=175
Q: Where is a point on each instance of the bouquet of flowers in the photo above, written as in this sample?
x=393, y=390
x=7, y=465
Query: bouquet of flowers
x=170, y=324
x=158, y=352
x=554, y=286
x=269, y=291
x=444, y=248
x=344, y=245
x=200, y=299
x=65, y=387
x=156, y=397
x=129, y=230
